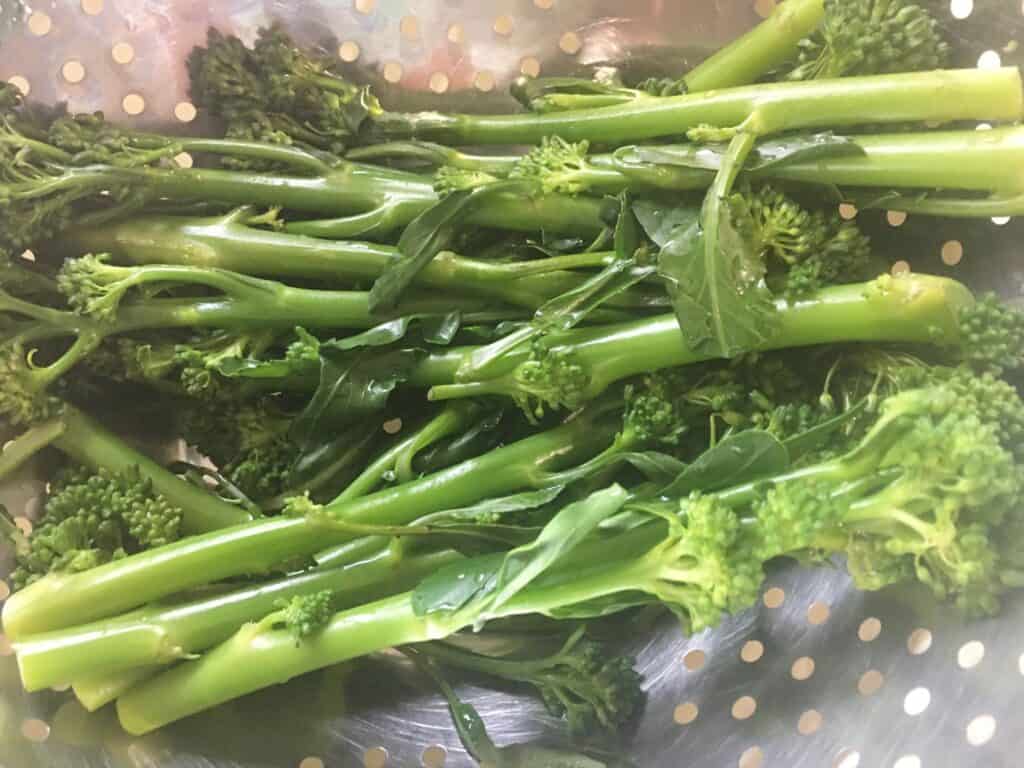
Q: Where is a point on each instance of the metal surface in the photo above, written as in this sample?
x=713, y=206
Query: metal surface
x=827, y=677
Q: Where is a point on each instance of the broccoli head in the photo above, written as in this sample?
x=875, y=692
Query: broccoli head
x=556, y=165
x=305, y=615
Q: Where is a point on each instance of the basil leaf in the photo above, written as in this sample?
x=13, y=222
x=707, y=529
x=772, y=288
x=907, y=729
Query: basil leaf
x=454, y=586
x=663, y=223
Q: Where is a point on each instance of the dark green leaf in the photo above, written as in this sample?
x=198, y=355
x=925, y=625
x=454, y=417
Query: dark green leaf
x=493, y=510
x=353, y=384
x=427, y=235
x=656, y=466
x=454, y=586
x=441, y=329
x=628, y=236
x=663, y=223
x=737, y=459
x=569, y=309
x=819, y=435
x=560, y=536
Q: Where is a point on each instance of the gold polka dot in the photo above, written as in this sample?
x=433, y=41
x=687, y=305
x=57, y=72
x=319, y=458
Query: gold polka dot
x=809, y=722
x=183, y=160
x=919, y=642
x=1020, y=664
x=456, y=34
x=349, y=51
x=92, y=7
x=375, y=757
x=694, y=660
x=848, y=211
x=185, y=111
x=20, y=83
x=24, y=525
x=122, y=53
x=869, y=630
x=752, y=651
x=311, y=762
x=133, y=104
x=434, y=756
x=803, y=668
x=952, y=252
x=751, y=758
x=438, y=82
x=39, y=24
x=35, y=730
x=392, y=71
x=818, y=613
x=916, y=701
x=5, y=591
x=28, y=255
x=990, y=60
x=870, y=682
x=764, y=8
x=896, y=218
x=961, y=9
x=503, y=25
x=970, y=654
x=686, y=713
x=530, y=66
x=365, y=6
x=484, y=81
x=5, y=646
x=544, y=4
x=409, y=26
x=73, y=71
x=900, y=267
x=981, y=730
x=774, y=597
x=570, y=43
x=744, y=707
x=847, y=758
x=908, y=761
x=393, y=426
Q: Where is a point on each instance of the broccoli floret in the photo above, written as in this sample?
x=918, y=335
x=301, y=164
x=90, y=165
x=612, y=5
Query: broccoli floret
x=992, y=336
x=550, y=379
x=814, y=248
x=305, y=615
x=871, y=37
x=450, y=179
x=583, y=682
x=652, y=410
x=556, y=164
x=92, y=518
x=24, y=400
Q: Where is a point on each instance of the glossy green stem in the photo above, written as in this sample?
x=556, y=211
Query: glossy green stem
x=161, y=634
x=225, y=242
x=940, y=96
x=911, y=309
x=766, y=47
x=64, y=600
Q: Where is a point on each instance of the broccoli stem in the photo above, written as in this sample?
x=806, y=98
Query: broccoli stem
x=28, y=444
x=88, y=443
x=940, y=96
x=63, y=600
x=766, y=47
x=227, y=243
x=161, y=634
x=95, y=692
x=911, y=308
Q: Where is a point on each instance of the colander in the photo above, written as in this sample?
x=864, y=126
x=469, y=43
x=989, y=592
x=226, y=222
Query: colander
x=818, y=674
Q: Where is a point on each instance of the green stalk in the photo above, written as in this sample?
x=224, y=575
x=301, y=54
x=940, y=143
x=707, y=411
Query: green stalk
x=227, y=243
x=89, y=443
x=918, y=309
x=766, y=47
x=95, y=692
x=63, y=600
x=25, y=446
x=940, y=96
x=161, y=634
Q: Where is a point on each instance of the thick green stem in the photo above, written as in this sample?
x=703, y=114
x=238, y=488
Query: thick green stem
x=161, y=634
x=766, y=47
x=64, y=600
x=910, y=309
x=25, y=446
x=87, y=442
x=226, y=243
x=95, y=692
x=940, y=96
